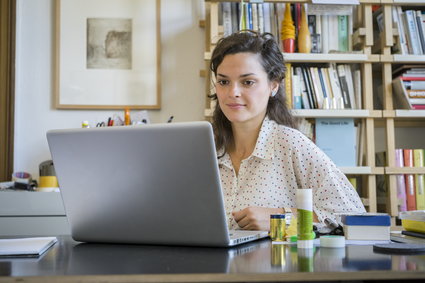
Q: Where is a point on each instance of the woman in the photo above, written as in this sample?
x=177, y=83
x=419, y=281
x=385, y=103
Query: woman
x=263, y=160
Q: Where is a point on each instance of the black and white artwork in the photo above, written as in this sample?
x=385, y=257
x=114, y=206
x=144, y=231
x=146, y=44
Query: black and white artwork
x=109, y=43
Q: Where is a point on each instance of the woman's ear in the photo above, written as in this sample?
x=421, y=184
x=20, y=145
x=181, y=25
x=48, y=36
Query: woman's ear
x=274, y=88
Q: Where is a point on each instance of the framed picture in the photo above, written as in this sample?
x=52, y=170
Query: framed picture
x=108, y=54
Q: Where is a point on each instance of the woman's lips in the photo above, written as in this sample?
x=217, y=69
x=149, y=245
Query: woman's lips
x=235, y=105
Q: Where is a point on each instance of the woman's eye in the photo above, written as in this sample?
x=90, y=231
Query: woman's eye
x=249, y=83
x=222, y=82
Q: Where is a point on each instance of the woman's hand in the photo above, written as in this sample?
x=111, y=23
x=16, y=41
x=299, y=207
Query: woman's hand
x=255, y=218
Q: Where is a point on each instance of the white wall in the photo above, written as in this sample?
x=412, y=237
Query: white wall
x=182, y=88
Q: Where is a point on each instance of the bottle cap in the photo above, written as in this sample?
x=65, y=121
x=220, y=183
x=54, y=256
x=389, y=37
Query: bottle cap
x=277, y=216
x=332, y=241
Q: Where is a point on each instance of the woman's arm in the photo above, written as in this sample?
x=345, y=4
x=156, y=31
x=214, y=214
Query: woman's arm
x=258, y=218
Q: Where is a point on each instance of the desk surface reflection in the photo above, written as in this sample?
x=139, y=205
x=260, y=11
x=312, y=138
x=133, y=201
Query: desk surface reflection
x=257, y=261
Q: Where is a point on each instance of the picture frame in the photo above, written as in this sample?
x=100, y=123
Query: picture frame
x=108, y=54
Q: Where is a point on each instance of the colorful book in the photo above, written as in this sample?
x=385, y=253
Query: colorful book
x=410, y=180
x=337, y=138
x=400, y=181
x=418, y=161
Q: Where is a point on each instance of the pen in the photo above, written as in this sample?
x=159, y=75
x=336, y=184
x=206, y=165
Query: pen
x=170, y=119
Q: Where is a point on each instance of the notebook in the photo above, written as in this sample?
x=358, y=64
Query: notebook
x=149, y=184
x=26, y=247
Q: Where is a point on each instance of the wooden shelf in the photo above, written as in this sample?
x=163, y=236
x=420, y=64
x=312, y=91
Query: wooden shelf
x=398, y=58
x=401, y=113
x=348, y=113
x=322, y=58
x=321, y=113
x=404, y=2
x=362, y=170
x=404, y=170
x=327, y=58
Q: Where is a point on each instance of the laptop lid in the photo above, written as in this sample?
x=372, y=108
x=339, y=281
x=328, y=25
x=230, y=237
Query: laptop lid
x=152, y=184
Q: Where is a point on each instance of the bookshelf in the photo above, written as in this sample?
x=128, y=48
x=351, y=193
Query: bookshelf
x=362, y=42
x=393, y=117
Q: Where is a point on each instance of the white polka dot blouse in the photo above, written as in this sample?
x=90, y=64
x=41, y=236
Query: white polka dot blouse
x=283, y=161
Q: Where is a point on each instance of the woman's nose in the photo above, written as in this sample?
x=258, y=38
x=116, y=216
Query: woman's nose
x=234, y=90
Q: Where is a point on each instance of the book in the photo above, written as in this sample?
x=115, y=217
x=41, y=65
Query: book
x=418, y=161
x=401, y=98
x=412, y=32
x=400, y=181
x=27, y=247
x=366, y=232
x=413, y=234
x=366, y=219
x=421, y=32
x=296, y=90
x=343, y=33
x=343, y=81
x=401, y=45
x=338, y=101
x=267, y=17
x=227, y=18
x=337, y=138
x=409, y=180
x=288, y=86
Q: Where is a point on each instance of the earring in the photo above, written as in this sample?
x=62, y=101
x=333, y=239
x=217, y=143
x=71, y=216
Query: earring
x=274, y=92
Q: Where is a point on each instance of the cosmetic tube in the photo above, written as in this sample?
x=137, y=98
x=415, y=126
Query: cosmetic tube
x=305, y=218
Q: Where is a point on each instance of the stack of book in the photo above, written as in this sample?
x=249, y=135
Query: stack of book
x=409, y=89
x=410, y=187
x=413, y=223
x=366, y=226
x=410, y=25
x=332, y=86
x=330, y=26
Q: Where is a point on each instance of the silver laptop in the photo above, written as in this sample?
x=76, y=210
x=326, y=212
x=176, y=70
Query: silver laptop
x=150, y=184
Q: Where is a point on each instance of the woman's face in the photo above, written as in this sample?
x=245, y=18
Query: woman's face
x=243, y=89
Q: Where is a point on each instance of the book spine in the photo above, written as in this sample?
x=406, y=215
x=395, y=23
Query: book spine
x=235, y=17
x=410, y=180
x=304, y=93
x=260, y=10
x=337, y=102
x=421, y=31
x=288, y=86
x=254, y=11
x=296, y=91
x=326, y=100
x=317, y=87
x=413, y=32
x=227, y=18
x=350, y=86
x=418, y=107
x=267, y=17
x=325, y=34
x=418, y=156
x=344, y=86
x=397, y=16
x=401, y=183
x=342, y=33
x=249, y=16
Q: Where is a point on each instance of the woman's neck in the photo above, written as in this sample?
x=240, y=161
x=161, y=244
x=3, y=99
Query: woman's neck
x=245, y=136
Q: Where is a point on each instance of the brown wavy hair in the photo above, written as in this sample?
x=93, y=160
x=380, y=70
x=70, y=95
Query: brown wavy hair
x=273, y=64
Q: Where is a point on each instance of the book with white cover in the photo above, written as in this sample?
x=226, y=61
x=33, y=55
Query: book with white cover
x=31, y=247
x=366, y=232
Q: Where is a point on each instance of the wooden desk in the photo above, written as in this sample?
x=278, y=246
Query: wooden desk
x=70, y=261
